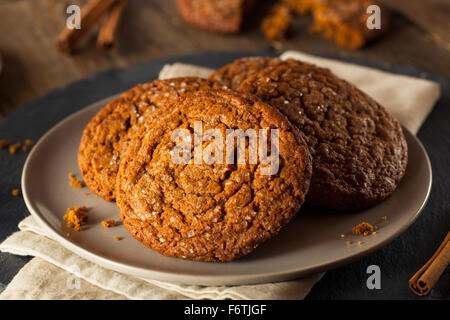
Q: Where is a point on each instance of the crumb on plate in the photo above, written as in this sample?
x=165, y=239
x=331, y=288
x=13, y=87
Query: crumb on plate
x=74, y=182
x=362, y=229
x=108, y=223
x=76, y=217
x=15, y=192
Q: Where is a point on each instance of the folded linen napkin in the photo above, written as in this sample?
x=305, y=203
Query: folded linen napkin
x=73, y=275
x=58, y=273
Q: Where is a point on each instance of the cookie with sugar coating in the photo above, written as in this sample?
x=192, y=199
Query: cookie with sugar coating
x=358, y=148
x=106, y=136
x=212, y=211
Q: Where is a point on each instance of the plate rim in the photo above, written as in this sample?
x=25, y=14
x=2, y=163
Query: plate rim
x=196, y=279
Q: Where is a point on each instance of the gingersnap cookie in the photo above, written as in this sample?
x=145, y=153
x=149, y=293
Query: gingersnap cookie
x=359, y=150
x=184, y=189
x=218, y=16
x=232, y=75
x=107, y=134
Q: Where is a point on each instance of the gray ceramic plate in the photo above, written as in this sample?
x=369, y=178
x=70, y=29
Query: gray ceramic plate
x=311, y=243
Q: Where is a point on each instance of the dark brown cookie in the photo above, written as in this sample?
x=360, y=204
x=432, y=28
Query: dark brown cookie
x=232, y=75
x=219, y=16
x=217, y=211
x=358, y=148
x=106, y=136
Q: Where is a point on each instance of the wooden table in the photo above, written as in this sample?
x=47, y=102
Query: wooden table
x=151, y=28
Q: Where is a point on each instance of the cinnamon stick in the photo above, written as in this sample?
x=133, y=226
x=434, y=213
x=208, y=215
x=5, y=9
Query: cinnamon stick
x=90, y=15
x=107, y=36
x=422, y=282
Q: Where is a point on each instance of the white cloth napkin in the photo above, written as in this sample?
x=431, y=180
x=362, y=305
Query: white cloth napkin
x=75, y=275
x=58, y=273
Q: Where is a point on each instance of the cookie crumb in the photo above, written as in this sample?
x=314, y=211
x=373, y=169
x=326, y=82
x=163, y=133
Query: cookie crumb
x=24, y=148
x=374, y=233
x=342, y=235
x=76, y=217
x=74, y=182
x=67, y=235
x=108, y=223
x=13, y=148
x=4, y=144
x=277, y=24
x=359, y=243
x=15, y=192
x=348, y=243
x=384, y=218
x=362, y=229
x=86, y=194
x=342, y=22
x=116, y=238
x=29, y=142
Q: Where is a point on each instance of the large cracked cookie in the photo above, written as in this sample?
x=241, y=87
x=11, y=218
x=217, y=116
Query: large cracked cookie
x=359, y=150
x=211, y=211
x=106, y=136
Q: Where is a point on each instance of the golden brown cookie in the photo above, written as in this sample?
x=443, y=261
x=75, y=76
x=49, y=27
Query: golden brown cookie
x=232, y=75
x=211, y=211
x=359, y=150
x=218, y=16
x=107, y=134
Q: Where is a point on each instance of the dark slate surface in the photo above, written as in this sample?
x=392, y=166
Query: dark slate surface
x=398, y=261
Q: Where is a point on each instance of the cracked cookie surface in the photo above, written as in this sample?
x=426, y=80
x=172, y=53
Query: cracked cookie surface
x=232, y=75
x=210, y=212
x=106, y=136
x=359, y=150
